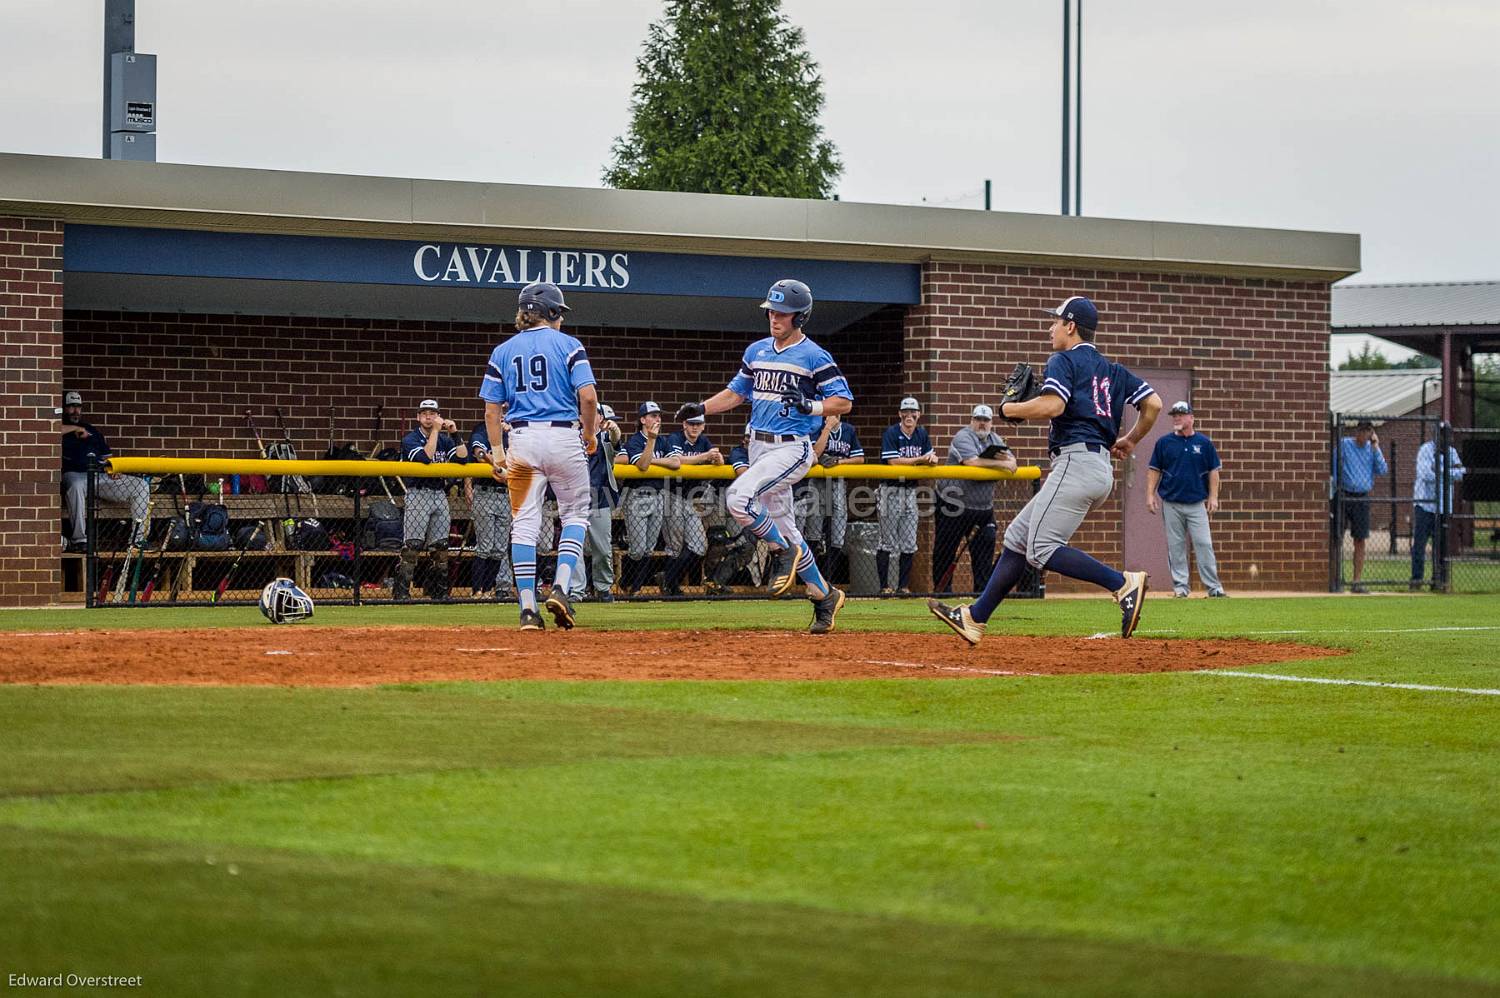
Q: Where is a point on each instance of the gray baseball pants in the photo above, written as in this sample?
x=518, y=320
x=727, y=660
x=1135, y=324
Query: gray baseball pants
x=598, y=552
x=125, y=489
x=1184, y=520
x=898, y=519
x=643, y=516
x=426, y=519
x=1078, y=481
x=492, y=531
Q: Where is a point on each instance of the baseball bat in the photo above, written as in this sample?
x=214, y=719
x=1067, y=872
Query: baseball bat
x=104, y=584
x=161, y=554
x=182, y=512
x=250, y=422
x=233, y=566
x=132, y=554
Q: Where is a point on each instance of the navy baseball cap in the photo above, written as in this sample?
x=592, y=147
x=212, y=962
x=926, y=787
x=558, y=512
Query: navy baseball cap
x=647, y=408
x=1180, y=409
x=695, y=419
x=1076, y=309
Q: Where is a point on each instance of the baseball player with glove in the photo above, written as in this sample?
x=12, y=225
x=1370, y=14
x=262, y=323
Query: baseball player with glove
x=792, y=384
x=540, y=382
x=1084, y=395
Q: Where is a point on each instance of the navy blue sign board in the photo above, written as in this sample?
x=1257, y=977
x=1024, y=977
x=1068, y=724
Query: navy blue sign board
x=182, y=253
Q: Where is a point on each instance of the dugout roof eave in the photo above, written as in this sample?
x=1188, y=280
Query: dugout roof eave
x=112, y=192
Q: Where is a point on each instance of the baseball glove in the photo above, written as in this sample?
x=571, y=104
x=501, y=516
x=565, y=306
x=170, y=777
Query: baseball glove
x=1019, y=387
x=689, y=410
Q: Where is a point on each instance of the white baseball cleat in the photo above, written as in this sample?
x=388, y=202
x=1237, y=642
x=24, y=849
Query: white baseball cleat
x=1131, y=596
x=957, y=617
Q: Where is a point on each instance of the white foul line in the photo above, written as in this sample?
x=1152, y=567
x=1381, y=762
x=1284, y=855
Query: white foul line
x=948, y=668
x=1344, y=682
x=1346, y=630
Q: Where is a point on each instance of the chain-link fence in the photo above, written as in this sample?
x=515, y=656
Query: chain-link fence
x=187, y=539
x=1414, y=505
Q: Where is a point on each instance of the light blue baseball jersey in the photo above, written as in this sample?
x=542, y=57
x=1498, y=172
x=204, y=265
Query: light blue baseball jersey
x=538, y=373
x=766, y=374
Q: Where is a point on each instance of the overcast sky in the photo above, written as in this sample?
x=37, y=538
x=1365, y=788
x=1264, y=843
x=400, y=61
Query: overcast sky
x=1380, y=117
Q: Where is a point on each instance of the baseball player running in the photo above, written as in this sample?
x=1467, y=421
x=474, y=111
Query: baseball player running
x=1084, y=395
x=426, y=517
x=542, y=375
x=792, y=384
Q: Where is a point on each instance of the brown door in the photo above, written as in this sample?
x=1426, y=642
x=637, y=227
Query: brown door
x=1145, y=542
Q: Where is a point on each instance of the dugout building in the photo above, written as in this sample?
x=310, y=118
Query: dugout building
x=174, y=297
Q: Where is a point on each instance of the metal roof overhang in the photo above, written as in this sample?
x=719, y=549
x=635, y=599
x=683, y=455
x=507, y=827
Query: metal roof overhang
x=730, y=228
x=1429, y=339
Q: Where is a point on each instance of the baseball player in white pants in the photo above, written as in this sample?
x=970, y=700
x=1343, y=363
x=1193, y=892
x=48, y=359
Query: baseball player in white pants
x=544, y=378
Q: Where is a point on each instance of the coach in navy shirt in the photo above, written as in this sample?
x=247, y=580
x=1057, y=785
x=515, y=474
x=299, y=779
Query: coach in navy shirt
x=1182, y=483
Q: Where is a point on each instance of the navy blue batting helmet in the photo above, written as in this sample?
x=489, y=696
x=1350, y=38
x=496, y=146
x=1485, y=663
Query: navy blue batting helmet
x=791, y=297
x=544, y=297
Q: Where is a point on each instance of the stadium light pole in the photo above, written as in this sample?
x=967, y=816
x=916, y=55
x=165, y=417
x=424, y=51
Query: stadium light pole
x=1066, y=99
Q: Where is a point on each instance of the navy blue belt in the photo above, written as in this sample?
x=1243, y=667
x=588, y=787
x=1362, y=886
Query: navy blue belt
x=516, y=424
x=1096, y=448
x=775, y=438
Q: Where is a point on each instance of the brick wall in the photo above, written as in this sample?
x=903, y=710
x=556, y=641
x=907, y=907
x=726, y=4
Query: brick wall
x=30, y=450
x=178, y=385
x=1258, y=350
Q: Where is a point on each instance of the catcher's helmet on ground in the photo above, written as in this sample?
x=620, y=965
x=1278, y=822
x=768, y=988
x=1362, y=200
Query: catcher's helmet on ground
x=790, y=296
x=282, y=602
x=544, y=297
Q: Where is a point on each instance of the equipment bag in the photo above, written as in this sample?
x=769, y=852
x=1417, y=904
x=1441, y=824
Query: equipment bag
x=309, y=535
x=382, y=530
x=210, y=522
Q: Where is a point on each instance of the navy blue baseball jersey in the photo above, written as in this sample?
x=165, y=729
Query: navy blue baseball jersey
x=739, y=457
x=895, y=443
x=479, y=451
x=1184, y=463
x=635, y=446
x=767, y=373
x=843, y=443
x=413, y=448
x=538, y=373
x=76, y=449
x=678, y=445
x=1095, y=391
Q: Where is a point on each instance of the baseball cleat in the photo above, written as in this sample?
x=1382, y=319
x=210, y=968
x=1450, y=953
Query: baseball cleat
x=532, y=621
x=824, y=610
x=784, y=574
x=957, y=617
x=1130, y=597
x=561, y=609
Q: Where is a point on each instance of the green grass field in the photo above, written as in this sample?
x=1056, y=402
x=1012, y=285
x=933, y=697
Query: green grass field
x=1095, y=835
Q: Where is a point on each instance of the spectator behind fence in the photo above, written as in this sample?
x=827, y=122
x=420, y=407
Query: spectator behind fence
x=1182, y=483
x=643, y=499
x=1424, y=509
x=1359, y=461
x=839, y=443
x=902, y=443
x=966, y=510
x=598, y=552
x=80, y=441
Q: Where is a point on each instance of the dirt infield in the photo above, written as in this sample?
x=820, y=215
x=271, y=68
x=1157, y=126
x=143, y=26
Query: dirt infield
x=368, y=656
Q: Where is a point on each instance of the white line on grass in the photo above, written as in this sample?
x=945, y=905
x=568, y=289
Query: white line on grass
x=948, y=668
x=1349, y=630
x=1344, y=682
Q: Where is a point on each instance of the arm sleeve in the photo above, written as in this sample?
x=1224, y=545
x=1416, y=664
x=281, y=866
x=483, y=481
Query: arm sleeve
x=855, y=450
x=1133, y=388
x=964, y=446
x=1158, y=454
x=634, y=445
x=580, y=372
x=828, y=379
x=1380, y=465
x=743, y=382
x=414, y=447
x=477, y=446
x=672, y=446
x=493, y=388
x=890, y=443
x=1057, y=378
x=1214, y=464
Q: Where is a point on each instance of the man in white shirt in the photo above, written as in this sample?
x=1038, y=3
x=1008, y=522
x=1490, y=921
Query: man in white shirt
x=1425, y=495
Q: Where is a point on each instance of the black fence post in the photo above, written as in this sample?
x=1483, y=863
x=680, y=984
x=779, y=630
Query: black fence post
x=91, y=535
x=359, y=540
x=1442, y=440
x=1394, y=497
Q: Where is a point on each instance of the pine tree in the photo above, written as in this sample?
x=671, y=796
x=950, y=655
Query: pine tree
x=727, y=102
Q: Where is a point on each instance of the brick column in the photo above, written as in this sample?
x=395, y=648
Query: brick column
x=31, y=296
